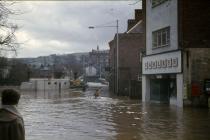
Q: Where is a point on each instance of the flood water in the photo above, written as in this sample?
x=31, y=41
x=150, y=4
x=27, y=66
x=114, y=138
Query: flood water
x=77, y=115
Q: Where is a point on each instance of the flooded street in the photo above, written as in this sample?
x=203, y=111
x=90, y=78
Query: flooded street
x=77, y=115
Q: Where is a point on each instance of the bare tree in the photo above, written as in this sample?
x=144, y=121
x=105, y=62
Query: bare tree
x=8, y=40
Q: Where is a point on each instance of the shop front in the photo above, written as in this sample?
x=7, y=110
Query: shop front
x=162, y=88
x=162, y=79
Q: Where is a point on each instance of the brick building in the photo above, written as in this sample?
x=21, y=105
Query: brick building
x=130, y=46
x=177, y=58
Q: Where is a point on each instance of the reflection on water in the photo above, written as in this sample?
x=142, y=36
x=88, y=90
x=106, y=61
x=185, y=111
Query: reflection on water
x=77, y=115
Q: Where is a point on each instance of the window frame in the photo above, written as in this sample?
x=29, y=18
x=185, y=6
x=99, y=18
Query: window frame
x=157, y=38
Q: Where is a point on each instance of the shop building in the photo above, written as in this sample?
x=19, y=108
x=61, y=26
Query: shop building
x=173, y=35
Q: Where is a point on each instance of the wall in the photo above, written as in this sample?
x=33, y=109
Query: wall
x=145, y=88
x=194, y=39
x=112, y=64
x=194, y=20
x=197, y=70
x=200, y=63
x=161, y=16
x=130, y=46
x=45, y=84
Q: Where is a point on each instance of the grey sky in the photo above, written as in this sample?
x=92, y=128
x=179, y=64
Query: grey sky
x=52, y=27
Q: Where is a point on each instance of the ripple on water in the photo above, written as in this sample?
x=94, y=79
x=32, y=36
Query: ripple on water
x=79, y=116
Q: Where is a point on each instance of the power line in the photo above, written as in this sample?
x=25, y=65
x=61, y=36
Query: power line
x=105, y=23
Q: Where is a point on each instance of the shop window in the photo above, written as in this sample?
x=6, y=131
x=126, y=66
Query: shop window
x=161, y=38
x=157, y=2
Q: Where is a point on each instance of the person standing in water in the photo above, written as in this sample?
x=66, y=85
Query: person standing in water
x=97, y=93
x=11, y=122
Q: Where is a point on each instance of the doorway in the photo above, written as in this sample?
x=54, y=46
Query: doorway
x=162, y=89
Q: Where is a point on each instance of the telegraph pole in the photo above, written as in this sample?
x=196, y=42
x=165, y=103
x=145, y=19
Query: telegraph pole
x=117, y=71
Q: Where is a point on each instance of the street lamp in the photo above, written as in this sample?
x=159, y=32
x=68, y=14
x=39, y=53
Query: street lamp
x=117, y=46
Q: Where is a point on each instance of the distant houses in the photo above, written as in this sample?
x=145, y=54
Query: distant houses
x=95, y=64
x=100, y=60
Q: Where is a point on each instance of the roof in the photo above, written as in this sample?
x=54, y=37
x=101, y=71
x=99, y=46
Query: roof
x=138, y=28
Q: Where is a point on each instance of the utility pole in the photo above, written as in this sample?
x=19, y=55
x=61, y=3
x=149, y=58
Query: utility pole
x=117, y=49
x=117, y=70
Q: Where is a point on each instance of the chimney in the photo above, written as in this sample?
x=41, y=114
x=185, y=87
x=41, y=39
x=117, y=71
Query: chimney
x=131, y=23
x=138, y=14
x=138, y=17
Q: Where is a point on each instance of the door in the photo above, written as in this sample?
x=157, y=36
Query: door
x=159, y=90
x=154, y=90
x=164, y=90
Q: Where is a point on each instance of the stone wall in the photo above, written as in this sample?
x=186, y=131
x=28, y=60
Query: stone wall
x=198, y=65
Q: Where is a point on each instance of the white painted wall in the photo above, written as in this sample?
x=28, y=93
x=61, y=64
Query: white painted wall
x=45, y=84
x=26, y=86
x=159, y=17
x=180, y=89
x=90, y=71
x=145, y=88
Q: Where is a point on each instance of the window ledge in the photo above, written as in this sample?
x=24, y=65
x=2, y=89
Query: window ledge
x=160, y=47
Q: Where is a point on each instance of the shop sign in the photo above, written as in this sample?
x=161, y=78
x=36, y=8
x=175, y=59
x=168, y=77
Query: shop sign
x=162, y=63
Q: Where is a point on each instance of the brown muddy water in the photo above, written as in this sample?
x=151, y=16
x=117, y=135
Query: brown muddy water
x=77, y=115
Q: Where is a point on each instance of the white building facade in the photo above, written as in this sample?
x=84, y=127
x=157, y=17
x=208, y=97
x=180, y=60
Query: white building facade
x=45, y=84
x=162, y=66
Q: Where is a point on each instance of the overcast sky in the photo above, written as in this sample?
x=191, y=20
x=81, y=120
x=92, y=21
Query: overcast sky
x=52, y=27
